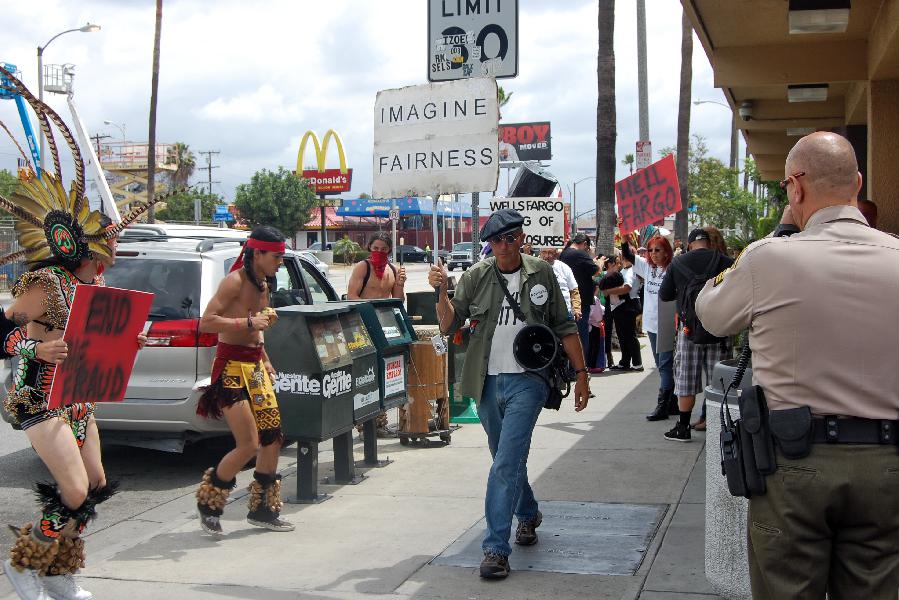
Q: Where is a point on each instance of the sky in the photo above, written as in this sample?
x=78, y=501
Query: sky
x=248, y=79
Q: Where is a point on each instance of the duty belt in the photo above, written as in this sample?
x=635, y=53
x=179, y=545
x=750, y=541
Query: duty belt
x=854, y=430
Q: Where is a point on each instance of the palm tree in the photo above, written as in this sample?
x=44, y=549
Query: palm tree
x=185, y=162
x=502, y=99
x=629, y=162
x=606, y=131
x=154, y=92
x=683, y=126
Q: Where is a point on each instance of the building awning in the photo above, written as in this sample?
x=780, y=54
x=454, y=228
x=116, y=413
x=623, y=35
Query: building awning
x=411, y=206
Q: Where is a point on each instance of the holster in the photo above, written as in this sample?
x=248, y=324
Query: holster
x=732, y=465
x=755, y=420
x=747, y=449
x=792, y=431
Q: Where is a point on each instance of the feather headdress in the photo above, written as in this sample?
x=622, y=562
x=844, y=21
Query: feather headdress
x=50, y=222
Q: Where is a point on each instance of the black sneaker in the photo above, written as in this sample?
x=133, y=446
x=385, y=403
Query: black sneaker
x=678, y=433
x=619, y=368
x=526, y=534
x=494, y=566
x=269, y=521
x=637, y=368
x=210, y=524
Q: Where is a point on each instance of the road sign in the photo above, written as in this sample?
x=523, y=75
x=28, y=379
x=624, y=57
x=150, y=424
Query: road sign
x=474, y=38
x=394, y=214
x=221, y=209
x=437, y=138
x=644, y=154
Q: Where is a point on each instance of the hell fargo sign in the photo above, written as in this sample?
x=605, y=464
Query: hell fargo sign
x=437, y=138
x=649, y=195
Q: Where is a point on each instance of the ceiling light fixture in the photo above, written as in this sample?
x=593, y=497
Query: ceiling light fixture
x=815, y=92
x=819, y=16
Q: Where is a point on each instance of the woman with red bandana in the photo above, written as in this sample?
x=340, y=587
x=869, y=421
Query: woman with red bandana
x=371, y=279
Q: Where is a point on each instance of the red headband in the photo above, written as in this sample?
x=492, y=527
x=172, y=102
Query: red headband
x=257, y=245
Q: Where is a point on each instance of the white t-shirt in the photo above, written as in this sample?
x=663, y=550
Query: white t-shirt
x=565, y=277
x=507, y=327
x=652, y=276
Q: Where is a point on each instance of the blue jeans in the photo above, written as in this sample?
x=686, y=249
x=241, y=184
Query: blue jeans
x=583, y=329
x=509, y=407
x=665, y=363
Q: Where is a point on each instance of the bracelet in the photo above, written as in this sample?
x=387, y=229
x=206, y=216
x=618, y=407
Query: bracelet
x=249, y=322
x=581, y=370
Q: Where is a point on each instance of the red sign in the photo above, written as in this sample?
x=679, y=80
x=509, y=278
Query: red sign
x=102, y=337
x=648, y=195
x=329, y=181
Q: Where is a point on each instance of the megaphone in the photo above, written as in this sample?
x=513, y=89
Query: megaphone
x=535, y=347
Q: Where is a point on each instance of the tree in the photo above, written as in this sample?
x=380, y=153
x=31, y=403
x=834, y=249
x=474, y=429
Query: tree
x=8, y=183
x=280, y=199
x=629, y=162
x=683, y=124
x=502, y=98
x=154, y=97
x=347, y=248
x=180, y=207
x=606, y=131
x=185, y=162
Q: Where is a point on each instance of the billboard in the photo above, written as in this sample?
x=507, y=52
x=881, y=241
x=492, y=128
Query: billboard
x=528, y=141
x=472, y=38
x=436, y=138
x=544, y=219
x=322, y=180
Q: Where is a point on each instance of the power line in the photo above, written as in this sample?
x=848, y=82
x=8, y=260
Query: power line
x=208, y=168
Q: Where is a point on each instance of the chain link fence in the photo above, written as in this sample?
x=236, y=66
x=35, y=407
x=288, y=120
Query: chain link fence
x=8, y=243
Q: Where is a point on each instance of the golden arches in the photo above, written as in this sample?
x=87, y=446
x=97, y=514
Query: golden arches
x=321, y=150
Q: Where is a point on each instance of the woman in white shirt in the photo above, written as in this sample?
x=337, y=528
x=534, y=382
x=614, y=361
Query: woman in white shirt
x=652, y=269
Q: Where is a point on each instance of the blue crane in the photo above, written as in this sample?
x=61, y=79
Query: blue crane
x=7, y=93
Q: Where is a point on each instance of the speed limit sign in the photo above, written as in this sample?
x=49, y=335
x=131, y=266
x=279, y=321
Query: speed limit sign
x=472, y=38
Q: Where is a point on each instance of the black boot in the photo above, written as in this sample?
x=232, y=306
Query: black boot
x=673, y=409
x=661, y=410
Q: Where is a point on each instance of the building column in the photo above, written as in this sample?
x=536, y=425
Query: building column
x=883, y=148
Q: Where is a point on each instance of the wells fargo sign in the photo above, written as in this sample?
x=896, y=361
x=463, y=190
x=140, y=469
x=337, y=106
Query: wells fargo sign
x=322, y=180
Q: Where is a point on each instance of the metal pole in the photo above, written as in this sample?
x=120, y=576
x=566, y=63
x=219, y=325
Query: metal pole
x=434, y=231
x=574, y=211
x=393, y=227
x=642, y=86
x=40, y=95
x=733, y=143
x=475, y=241
x=324, y=225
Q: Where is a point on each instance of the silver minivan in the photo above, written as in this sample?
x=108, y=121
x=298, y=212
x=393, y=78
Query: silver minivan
x=159, y=410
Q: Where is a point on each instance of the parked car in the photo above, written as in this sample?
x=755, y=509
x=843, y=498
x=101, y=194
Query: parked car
x=406, y=253
x=460, y=256
x=322, y=267
x=159, y=410
x=147, y=230
x=317, y=247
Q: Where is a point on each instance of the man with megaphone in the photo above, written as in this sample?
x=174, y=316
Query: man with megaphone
x=515, y=314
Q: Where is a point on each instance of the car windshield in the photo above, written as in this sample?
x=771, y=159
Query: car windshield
x=464, y=247
x=175, y=285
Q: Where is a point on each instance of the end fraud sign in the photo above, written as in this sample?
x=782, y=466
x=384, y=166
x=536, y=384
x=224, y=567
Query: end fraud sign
x=544, y=219
x=437, y=138
x=472, y=38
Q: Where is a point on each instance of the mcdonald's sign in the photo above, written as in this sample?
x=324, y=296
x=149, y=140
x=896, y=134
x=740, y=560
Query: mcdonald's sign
x=325, y=181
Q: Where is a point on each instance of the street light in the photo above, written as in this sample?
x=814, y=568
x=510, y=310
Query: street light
x=733, y=130
x=574, y=204
x=121, y=128
x=88, y=28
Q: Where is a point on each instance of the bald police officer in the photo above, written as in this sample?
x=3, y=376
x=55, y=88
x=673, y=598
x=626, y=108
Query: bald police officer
x=821, y=309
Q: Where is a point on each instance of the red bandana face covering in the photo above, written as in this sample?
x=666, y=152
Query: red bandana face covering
x=379, y=262
x=257, y=245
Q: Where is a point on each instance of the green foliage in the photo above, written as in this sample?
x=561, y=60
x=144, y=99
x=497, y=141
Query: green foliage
x=348, y=249
x=180, y=155
x=276, y=198
x=8, y=183
x=180, y=207
x=629, y=162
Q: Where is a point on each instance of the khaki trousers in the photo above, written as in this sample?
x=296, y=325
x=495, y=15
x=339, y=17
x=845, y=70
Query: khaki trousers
x=829, y=523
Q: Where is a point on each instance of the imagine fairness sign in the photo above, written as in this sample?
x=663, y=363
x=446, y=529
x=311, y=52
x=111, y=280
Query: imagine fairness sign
x=438, y=138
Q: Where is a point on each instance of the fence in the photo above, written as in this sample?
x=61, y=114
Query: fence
x=8, y=243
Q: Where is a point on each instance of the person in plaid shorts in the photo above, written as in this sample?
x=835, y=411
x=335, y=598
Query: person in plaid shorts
x=691, y=359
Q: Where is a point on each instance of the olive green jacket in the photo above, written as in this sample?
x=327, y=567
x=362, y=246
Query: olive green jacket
x=479, y=297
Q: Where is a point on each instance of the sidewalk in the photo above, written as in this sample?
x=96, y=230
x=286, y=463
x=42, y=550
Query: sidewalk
x=377, y=540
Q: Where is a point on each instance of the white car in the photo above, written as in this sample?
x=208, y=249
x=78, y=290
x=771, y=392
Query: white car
x=311, y=257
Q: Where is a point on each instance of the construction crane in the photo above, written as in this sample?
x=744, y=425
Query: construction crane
x=7, y=93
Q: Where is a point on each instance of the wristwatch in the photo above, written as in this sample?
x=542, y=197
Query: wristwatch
x=581, y=370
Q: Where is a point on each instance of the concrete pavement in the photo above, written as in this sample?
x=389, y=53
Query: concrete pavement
x=376, y=540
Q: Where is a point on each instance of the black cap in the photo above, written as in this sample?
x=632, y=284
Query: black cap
x=500, y=222
x=698, y=234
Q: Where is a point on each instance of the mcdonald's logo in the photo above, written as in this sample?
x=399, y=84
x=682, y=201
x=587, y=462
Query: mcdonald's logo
x=325, y=181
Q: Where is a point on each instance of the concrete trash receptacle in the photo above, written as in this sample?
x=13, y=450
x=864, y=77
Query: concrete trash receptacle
x=726, y=559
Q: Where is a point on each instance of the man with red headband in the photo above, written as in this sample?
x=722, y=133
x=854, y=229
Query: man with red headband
x=241, y=388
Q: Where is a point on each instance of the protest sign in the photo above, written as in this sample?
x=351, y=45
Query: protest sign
x=648, y=195
x=102, y=337
x=544, y=219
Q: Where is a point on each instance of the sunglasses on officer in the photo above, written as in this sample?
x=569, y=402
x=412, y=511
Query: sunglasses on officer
x=508, y=238
x=785, y=182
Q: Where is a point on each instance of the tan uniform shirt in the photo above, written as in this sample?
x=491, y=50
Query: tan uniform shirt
x=823, y=311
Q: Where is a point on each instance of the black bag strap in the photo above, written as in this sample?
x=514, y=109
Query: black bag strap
x=516, y=308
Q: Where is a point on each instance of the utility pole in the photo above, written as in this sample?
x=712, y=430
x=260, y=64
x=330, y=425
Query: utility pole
x=208, y=168
x=642, y=75
x=97, y=137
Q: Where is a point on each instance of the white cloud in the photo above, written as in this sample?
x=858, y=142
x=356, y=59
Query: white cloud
x=263, y=104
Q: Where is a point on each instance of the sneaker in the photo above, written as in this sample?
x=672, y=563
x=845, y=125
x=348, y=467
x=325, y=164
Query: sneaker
x=526, y=534
x=637, y=368
x=619, y=368
x=26, y=582
x=64, y=587
x=210, y=524
x=270, y=522
x=678, y=433
x=494, y=566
